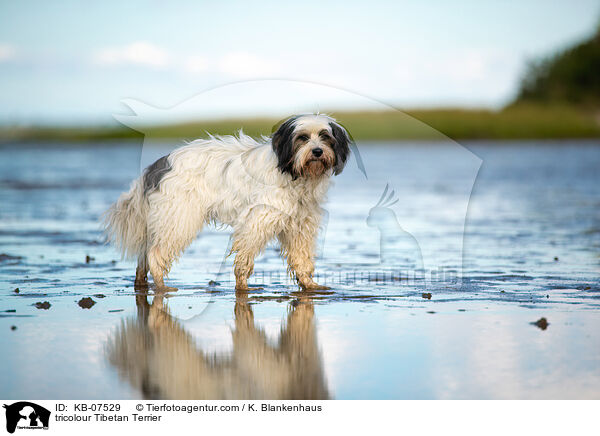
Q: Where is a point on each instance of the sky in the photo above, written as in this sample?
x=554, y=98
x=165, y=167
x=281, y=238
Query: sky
x=74, y=62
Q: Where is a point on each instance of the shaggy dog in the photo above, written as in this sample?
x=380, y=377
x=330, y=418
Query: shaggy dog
x=271, y=188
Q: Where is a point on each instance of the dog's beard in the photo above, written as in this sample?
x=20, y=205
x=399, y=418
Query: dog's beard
x=314, y=168
x=307, y=165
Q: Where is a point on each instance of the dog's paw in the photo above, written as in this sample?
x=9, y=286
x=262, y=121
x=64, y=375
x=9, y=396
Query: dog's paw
x=315, y=287
x=139, y=285
x=165, y=288
x=247, y=288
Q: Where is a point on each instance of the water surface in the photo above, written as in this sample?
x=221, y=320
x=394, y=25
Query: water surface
x=433, y=296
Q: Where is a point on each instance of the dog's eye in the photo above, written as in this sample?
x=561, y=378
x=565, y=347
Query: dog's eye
x=324, y=134
x=303, y=138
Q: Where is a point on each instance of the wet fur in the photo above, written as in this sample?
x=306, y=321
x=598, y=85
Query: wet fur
x=263, y=189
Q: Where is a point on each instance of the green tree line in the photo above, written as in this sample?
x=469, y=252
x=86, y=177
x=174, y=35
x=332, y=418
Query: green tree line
x=571, y=76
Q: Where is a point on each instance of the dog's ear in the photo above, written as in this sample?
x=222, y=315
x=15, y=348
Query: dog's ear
x=283, y=146
x=341, y=147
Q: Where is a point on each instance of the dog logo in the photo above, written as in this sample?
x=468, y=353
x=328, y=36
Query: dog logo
x=26, y=415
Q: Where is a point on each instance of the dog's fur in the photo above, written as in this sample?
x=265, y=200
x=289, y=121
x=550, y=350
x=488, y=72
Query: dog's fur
x=266, y=189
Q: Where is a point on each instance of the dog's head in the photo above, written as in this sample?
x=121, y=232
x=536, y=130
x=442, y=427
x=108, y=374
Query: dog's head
x=310, y=146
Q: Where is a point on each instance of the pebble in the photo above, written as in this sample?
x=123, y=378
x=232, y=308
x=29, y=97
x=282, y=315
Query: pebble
x=86, y=303
x=541, y=323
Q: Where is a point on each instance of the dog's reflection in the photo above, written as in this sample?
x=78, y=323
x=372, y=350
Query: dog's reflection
x=157, y=356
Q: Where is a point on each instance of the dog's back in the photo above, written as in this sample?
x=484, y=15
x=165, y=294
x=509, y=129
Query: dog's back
x=126, y=221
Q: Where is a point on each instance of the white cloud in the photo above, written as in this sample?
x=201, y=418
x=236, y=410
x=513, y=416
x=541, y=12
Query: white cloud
x=137, y=53
x=241, y=64
x=195, y=64
x=475, y=77
x=146, y=54
x=6, y=52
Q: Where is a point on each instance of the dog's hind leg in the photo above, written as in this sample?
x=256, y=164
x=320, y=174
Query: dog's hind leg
x=166, y=246
x=141, y=273
x=159, y=265
x=173, y=223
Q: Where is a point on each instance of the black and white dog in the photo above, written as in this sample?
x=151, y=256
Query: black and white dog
x=271, y=188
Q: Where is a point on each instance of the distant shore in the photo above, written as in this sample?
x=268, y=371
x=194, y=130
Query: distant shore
x=514, y=122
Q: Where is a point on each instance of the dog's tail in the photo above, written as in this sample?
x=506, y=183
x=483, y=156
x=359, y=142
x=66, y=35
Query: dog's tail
x=125, y=222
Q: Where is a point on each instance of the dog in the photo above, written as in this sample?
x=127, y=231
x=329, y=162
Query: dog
x=264, y=189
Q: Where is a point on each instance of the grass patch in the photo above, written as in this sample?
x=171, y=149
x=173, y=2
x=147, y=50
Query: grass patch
x=514, y=122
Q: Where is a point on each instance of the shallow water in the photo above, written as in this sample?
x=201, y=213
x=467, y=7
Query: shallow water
x=434, y=296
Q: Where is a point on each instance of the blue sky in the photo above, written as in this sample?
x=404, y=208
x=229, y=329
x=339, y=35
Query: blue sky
x=74, y=62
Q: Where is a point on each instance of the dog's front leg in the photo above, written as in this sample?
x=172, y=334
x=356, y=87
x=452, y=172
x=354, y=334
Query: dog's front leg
x=298, y=243
x=249, y=239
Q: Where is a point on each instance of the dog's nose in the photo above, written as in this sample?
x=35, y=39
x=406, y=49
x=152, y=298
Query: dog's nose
x=317, y=151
